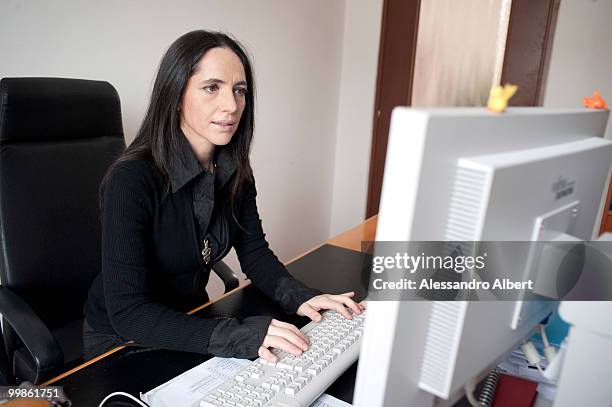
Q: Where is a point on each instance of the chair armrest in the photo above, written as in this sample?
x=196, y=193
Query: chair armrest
x=229, y=278
x=43, y=347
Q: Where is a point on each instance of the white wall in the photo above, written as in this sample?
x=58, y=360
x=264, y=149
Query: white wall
x=296, y=48
x=362, y=26
x=581, y=59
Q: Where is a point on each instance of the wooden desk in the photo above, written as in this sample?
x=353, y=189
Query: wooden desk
x=229, y=303
x=352, y=238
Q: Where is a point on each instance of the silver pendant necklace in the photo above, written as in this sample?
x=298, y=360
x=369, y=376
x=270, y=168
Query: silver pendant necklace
x=206, y=252
x=206, y=249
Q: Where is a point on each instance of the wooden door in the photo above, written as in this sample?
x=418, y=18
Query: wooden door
x=394, y=83
x=528, y=46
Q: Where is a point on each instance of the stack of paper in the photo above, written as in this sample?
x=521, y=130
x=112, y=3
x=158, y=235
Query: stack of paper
x=187, y=389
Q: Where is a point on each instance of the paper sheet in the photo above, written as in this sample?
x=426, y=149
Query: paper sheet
x=190, y=387
x=325, y=400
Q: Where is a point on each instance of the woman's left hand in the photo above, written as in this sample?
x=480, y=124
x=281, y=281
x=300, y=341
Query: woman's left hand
x=340, y=302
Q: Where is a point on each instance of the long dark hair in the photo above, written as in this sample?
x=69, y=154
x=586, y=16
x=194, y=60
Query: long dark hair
x=159, y=136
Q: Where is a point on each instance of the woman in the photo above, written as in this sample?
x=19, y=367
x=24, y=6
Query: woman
x=176, y=201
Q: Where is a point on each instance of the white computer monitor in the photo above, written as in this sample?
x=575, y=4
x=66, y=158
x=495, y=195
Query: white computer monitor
x=533, y=174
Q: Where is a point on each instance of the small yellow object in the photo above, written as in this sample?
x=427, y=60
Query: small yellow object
x=499, y=96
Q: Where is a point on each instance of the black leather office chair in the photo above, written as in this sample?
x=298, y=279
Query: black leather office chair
x=227, y=275
x=57, y=139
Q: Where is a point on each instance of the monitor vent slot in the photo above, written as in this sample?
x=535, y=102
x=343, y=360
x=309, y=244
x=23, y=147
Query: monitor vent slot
x=441, y=346
x=468, y=200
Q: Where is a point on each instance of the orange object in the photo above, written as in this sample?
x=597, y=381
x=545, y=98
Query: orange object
x=596, y=102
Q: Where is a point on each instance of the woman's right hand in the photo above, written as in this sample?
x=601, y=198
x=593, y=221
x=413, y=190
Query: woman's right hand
x=283, y=336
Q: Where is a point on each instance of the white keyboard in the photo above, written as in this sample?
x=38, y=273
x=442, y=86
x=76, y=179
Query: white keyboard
x=296, y=381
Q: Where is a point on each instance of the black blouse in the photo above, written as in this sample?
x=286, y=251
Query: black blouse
x=152, y=267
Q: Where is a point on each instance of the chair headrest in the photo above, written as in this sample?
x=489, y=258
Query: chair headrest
x=54, y=109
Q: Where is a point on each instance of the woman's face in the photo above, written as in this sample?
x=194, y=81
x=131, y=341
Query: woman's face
x=214, y=99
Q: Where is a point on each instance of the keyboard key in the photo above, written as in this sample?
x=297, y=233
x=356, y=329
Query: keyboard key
x=304, y=365
x=241, y=377
x=319, y=353
x=291, y=376
x=267, y=394
x=304, y=379
x=327, y=359
x=315, y=369
x=292, y=390
x=286, y=364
